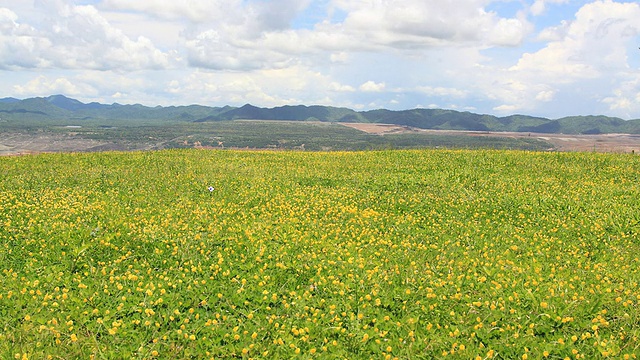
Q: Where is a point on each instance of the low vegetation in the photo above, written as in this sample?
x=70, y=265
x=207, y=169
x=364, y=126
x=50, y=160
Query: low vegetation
x=283, y=135
x=387, y=254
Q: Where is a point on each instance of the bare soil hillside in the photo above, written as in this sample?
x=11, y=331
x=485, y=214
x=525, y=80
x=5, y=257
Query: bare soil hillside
x=621, y=143
x=24, y=143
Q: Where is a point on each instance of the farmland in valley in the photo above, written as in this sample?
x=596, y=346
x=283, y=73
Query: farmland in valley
x=191, y=253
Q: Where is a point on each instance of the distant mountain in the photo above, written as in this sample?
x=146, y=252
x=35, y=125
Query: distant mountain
x=60, y=107
x=293, y=113
x=64, y=102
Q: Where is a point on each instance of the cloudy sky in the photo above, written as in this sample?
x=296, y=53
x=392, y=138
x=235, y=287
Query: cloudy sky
x=548, y=58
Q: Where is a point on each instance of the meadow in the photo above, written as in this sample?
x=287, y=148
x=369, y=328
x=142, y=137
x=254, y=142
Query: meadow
x=408, y=254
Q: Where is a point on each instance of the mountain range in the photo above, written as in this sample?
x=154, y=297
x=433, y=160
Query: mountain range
x=61, y=108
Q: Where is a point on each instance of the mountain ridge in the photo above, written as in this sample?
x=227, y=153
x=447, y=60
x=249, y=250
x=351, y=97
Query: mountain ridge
x=60, y=107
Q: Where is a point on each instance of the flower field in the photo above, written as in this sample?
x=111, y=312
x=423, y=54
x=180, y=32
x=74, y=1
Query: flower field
x=190, y=254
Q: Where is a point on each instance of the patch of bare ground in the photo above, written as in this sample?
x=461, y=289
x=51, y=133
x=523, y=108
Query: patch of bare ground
x=23, y=144
x=617, y=143
x=380, y=129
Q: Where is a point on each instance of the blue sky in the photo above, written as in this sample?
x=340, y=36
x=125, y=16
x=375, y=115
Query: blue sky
x=549, y=58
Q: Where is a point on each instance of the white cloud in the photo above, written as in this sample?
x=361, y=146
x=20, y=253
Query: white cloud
x=545, y=95
x=404, y=23
x=508, y=32
x=506, y=109
x=267, y=87
x=582, y=59
x=262, y=37
x=8, y=19
x=554, y=33
x=44, y=86
x=339, y=57
x=77, y=37
x=442, y=91
x=212, y=50
x=196, y=10
x=335, y=86
x=618, y=102
x=372, y=86
x=596, y=42
x=625, y=97
x=251, y=17
x=540, y=6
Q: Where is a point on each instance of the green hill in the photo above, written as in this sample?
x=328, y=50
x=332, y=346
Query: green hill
x=61, y=109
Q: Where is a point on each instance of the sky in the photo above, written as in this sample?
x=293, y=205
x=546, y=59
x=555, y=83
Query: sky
x=550, y=58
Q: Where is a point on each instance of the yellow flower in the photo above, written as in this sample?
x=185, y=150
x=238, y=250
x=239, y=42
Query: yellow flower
x=544, y=305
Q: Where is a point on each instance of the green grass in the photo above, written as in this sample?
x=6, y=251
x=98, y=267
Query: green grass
x=383, y=254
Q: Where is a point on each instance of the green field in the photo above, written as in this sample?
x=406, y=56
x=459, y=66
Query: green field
x=411, y=254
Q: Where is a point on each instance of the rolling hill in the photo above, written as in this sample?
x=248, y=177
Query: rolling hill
x=59, y=108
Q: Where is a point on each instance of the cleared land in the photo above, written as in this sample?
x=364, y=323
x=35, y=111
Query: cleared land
x=292, y=135
x=22, y=144
x=240, y=134
x=623, y=143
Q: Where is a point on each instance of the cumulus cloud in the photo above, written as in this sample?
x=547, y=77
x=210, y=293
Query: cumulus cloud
x=403, y=23
x=507, y=109
x=249, y=35
x=44, y=86
x=255, y=35
x=249, y=16
x=554, y=33
x=262, y=36
x=540, y=6
x=372, y=86
x=267, y=87
x=195, y=11
x=586, y=54
x=336, y=86
x=442, y=91
x=597, y=40
x=545, y=95
x=625, y=97
x=8, y=20
x=77, y=37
